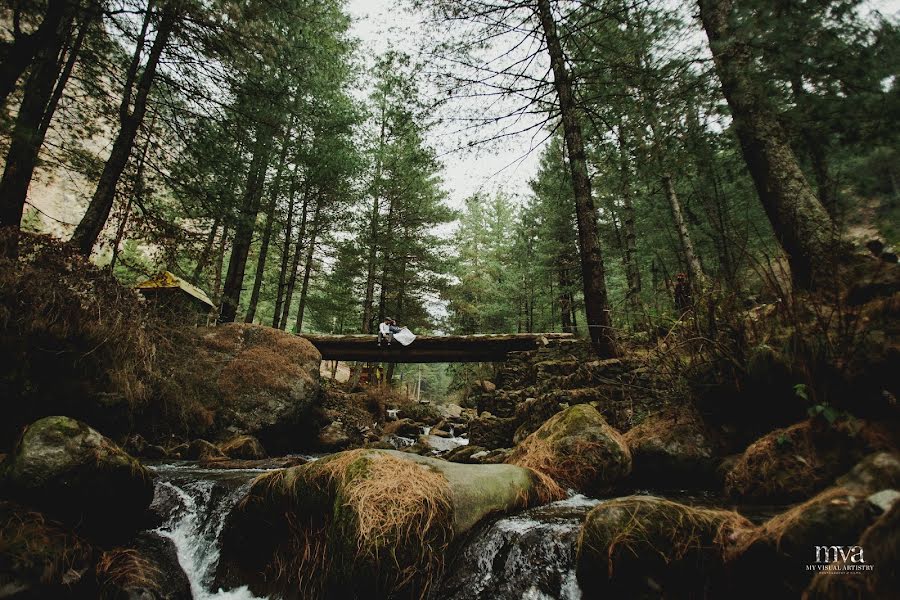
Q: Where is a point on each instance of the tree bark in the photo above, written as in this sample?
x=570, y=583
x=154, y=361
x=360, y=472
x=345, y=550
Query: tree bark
x=369, y=299
x=629, y=231
x=28, y=136
x=695, y=270
x=801, y=224
x=285, y=250
x=307, y=268
x=95, y=218
x=593, y=275
x=243, y=230
x=267, y=233
x=203, y=260
x=295, y=261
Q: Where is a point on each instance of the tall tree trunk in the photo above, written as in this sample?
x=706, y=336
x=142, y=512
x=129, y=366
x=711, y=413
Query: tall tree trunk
x=220, y=263
x=373, y=233
x=205, y=255
x=307, y=268
x=629, y=231
x=565, y=310
x=801, y=224
x=137, y=192
x=243, y=230
x=285, y=250
x=94, y=219
x=27, y=135
x=267, y=232
x=698, y=279
x=23, y=51
x=593, y=276
x=295, y=261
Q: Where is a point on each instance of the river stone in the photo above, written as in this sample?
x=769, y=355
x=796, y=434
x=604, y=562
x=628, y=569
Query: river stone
x=203, y=450
x=63, y=467
x=268, y=384
x=672, y=449
x=148, y=570
x=243, y=447
x=784, y=545
x=491, y=431
x=577, y=449
x=308, y=520
x=649, y=547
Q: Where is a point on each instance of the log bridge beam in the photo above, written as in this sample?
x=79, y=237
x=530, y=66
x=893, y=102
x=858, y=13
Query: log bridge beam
x=431, y=348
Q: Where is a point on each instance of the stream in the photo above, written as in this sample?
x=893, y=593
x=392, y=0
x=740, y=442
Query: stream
x=529, y=555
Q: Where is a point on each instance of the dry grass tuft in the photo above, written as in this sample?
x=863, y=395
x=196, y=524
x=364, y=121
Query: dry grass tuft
x=122, y=569
x=34, y=548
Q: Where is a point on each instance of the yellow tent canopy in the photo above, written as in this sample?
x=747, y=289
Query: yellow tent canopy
x=166, y=280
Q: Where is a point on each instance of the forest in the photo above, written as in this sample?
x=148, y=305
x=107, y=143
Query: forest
x=702, y=197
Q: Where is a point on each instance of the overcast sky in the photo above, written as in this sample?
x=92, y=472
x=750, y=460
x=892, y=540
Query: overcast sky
x=383, y=24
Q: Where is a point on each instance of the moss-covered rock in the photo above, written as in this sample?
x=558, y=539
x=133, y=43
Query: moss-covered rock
x=243, y=447
x=204, y=451
x=672, y=449
x=63, y=467
x=784, y=545
x=491, y=431
x=148, y=570
x=794, y=463
x=881, y=547
x=268, y=384
x=648, y=547
x=576, y=449
x=361, y=523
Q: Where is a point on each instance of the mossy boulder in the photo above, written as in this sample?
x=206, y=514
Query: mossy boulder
x=881, y=547
x=148, y=570
x=204, y=451
x=649, y=547
x=243, y=447
x=576, y=449
x=785, y=544
x=63, y=467
x=268, y=383
x=361, y=523
x=672, y=449
x=794, y=463
x=491, y=431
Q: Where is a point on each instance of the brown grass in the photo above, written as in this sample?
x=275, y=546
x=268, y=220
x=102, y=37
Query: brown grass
x=34, y=547
x=122, y=569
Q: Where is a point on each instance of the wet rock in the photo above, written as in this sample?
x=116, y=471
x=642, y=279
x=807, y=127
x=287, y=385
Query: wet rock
x=491, y=431
x=334, y=437
x=268, y=384
x=263, y=463
x=532, y=413
x=364, y=523
x=673, y=449
x=63, y=467
x=149, y=570
x=203, y=450
x=784, y=545
x=577, y=449
x=179, y=450
x=437, y=443
x=881, y=547
x=243, y=447
x=648, y=547
x=404, y=428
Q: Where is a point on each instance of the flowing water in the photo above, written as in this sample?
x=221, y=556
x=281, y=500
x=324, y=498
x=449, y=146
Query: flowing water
x=194, y=503
x=529, y=555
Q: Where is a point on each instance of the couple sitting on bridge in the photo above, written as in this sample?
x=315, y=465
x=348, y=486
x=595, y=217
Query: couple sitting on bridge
x=388, y=331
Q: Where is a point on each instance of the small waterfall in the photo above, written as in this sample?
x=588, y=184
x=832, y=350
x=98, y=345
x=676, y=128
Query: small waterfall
x=530, y=555
x=194, y=503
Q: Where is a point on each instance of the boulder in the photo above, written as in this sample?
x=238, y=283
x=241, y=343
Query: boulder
x=243, y=447
x=334, y=437
x=793, y=463
x=438, y=443
x=404, y=428
x=575, y=449
x=268, y=383
x=532, y=413
x=63, y=467
x=784, y=545
x=204, y=451
x=648, y=547
x=672, y=449
x=881, y=547
x=361, y=523
x=149, y=570
x=491, y=431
